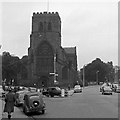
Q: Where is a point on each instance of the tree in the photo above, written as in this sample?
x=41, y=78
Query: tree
x=9, y=67
x=97, y=69
x=12, y=66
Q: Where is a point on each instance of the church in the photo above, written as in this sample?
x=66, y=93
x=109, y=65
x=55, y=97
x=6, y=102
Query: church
x=50, y=64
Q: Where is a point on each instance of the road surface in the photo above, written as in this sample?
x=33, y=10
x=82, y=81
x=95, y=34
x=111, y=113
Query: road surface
x=88, y=104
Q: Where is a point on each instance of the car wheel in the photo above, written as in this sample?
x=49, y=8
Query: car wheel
x=43, y=111
x=47, y=95
x=24, y=110
x=16, y=104
x=52, y=95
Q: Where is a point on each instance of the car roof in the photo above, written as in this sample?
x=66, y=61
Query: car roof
x=77, y=85
x=53, y=87
x=32, y=93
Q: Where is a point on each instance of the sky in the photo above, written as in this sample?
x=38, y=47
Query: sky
x=90, y=25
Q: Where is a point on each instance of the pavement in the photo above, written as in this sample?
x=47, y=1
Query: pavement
x=15, y=114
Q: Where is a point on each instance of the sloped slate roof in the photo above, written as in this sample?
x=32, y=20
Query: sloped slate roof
x=70, y=50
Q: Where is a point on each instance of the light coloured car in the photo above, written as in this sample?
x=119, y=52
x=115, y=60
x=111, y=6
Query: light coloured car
x=102, y=86
x=105, y=84
x=2, y=92
x=77, y=89
x=114, y=86
x=20, y=97
x=107, y=90
x=117, y=88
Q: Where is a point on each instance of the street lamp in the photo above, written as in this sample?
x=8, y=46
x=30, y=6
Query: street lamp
x=55, y=75
x=34, y=85
x=97, y=76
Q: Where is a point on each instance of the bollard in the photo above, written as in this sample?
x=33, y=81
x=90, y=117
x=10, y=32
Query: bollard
x=62, y=93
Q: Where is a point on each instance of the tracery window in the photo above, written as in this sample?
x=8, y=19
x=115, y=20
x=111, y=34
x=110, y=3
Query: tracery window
x=40, y=29
x=45, y=58
x=49, y=26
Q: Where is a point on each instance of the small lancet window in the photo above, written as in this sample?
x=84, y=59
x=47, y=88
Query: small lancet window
x=49, y=26
x=40, y=29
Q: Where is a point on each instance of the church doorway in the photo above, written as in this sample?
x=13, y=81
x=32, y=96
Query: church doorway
x=44, y=80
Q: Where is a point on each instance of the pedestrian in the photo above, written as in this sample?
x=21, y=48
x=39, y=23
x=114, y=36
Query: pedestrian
x=69, y=87
x=29, y=89
x=9, y=103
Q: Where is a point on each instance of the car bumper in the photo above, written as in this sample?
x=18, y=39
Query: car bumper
x=117, y=90
x=77, y=91
x=107, y=92
x=36, y=109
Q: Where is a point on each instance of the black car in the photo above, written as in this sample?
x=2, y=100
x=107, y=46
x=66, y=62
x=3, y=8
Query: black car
x=33, y=102
x=52, y=91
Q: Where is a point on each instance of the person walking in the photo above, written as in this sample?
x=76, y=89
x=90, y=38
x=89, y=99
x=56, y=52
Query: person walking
x=9, y=102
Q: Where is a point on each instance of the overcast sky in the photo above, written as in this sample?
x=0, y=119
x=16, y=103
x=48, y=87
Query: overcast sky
x=90, y=25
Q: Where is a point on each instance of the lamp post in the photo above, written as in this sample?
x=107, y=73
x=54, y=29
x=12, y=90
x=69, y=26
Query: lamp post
x=54, y=68
x=97, y=76
x=54, y=73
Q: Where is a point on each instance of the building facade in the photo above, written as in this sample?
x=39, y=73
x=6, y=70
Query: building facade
x=49, y=63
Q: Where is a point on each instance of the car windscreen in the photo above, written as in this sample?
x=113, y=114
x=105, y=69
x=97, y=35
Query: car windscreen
x=107, y=88
x=34, y=96
x=77, y=87
x=57, y=88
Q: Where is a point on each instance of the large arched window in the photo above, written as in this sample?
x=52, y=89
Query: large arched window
x=45, y=58
x=49, y=26
x=40, y=29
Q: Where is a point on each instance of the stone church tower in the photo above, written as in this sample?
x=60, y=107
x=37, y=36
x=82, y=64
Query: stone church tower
x=46, y=56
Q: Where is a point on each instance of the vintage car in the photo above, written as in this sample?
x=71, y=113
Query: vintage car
x=105, y=84
x=2, y=92
x=114, y=86
x=117, y=88
x=107, y=90
x=20, y=96
x=77, y=89
x=33, y=102
x=52, y=91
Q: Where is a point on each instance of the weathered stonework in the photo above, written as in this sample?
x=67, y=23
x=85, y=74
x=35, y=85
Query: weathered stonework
x=45, y=44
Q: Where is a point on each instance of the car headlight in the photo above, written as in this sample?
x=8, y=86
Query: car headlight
x=35, y=103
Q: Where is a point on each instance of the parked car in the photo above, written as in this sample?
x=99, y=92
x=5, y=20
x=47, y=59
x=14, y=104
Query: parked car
x=105, y=84
x=52, y=91
x=107, y=90
x=20, y=97
x=117, y=88
x=77, y=89
x=2, y=92
x=114, y=86
x=33, y=102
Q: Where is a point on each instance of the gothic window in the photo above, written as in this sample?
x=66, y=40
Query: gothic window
x=40, y=29
x=45, y=58
x=49, y=26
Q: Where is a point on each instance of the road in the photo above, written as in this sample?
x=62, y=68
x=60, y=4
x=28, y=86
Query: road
x=88, y=104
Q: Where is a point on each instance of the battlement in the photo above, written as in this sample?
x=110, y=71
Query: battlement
x=45, y=13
